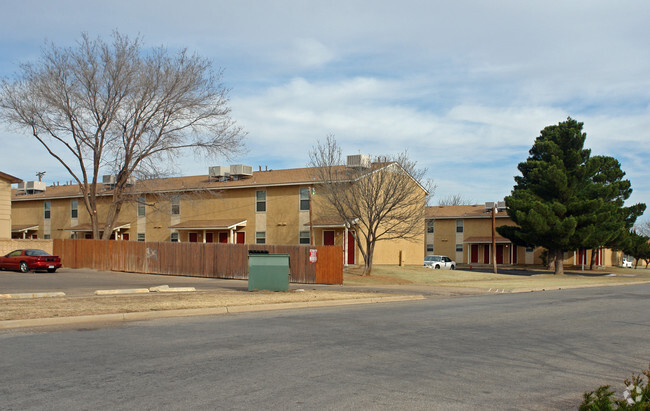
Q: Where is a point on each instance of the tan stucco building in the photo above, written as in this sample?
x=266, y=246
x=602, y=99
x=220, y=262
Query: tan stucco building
x=229, y=205
x=464, y=233
x=6, y=181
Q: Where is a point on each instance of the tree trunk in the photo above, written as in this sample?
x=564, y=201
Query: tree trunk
x=593, y=259
x=367, y=263
x=559, y=262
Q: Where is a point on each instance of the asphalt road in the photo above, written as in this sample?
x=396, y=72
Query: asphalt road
x=508, y=351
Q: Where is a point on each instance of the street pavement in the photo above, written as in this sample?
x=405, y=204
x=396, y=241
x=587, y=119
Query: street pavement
x=533, y=351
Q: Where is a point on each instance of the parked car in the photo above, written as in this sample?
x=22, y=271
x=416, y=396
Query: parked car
x=439, y=261
x=627, y=263
x=26, y=260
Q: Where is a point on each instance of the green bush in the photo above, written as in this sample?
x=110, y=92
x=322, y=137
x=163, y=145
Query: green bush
x=636, y=396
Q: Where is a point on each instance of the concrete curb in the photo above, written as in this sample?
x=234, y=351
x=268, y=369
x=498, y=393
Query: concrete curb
x=124, y=291
x=33, y=295
x=150, y=315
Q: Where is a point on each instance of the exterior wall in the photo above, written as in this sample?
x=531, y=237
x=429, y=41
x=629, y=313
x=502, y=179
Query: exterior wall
x=7, y=246
x=5, y=209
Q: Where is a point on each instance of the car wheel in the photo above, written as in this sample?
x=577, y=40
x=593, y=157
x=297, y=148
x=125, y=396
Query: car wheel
x=23, y=267
x=437, y=266
x=453, y=267
x=51, y=270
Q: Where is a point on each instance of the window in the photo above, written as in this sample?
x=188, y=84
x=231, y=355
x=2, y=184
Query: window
x=530, y=249
x=260, y=198
x=260, y=237
x=46, y=236
x=176, y=205
x=430, y=226
x=140, y=236
x=459, y=248
x=141, y=207
x=304, y=237
x=429, y=248
x=459, y=226
x=74, y=209
x=304, y=199
x=46, y=210
x=174, y=237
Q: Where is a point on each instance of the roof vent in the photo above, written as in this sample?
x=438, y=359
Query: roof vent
x=358, y=161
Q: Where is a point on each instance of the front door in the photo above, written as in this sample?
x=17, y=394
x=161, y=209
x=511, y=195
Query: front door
x=499, y=253
x=240, y=237
x=351, y=247
x=486, y=254
x=209, y=237
x=474, y=254
x=328, y=237
x=223, y=237
x=194, y=237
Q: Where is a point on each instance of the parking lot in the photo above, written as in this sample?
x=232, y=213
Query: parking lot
x=84, y=282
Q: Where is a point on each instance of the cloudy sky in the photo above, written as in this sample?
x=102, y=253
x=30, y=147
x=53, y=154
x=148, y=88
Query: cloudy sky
x=464, y=86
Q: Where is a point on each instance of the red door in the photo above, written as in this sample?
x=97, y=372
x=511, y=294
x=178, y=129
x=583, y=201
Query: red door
x=125, y=236
x=486, y=254
x=499, y=253
x=241, y=237
x=194, y=237
x=514, y=254
x=209, y=237
x=351, y=247
x=223, y=238
x=328, y=237
x=474, y=253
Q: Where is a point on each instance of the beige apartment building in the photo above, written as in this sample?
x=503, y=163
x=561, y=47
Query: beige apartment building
x=6, y=181
x=464, y=233
x=231, y=204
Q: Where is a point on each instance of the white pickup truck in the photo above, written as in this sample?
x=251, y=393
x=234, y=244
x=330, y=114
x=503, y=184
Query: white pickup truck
x=627, y=263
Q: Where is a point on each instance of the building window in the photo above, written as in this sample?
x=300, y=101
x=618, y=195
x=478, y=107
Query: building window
x=140, y=236
x=174, y=237
x=304, y=199
x=429, y=248
x=176, y=205
x=304, y=237
x=46, y=210
x=430, y=226
x=459, y=248
x=260, y=199
x=459, y=226
x=74, y=209
x=530, y=249
x=46, y=236
x=260, y=237
x=141, y=207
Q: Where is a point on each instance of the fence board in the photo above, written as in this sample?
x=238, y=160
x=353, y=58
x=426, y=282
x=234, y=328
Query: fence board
x=212, y=260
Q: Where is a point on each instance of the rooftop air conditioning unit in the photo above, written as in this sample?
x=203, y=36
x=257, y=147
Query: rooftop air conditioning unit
x=130, y=181
x=20, y=186
x=109, y=179
x=358, y=161
x=35, y=186
x=220, y=173
x=489, y=205
x=241, y=170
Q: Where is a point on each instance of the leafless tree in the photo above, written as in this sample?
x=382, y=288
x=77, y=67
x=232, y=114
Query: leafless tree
x=383, y=202
x=115, y=106
x=454, y=200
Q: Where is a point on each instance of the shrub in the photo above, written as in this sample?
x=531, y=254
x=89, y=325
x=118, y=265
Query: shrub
x=635, y=397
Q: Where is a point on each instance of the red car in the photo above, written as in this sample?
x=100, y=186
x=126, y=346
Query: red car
x=25, y=260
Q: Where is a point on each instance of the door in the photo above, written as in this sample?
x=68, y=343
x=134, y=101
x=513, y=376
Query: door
x=194, y=237
x=125, y=236
x=209, y=237
x=499, y=253
x=328, y=237
x=474, y=254
x=223, y=238
x=240, y=237
x=486, y=254
x=514, y=254
x=351, y=247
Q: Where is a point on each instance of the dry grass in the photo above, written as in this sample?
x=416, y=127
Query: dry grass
x=540, y=279
x=18, y=309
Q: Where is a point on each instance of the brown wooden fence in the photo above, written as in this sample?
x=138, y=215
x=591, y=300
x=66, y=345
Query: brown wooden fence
x=211, y=260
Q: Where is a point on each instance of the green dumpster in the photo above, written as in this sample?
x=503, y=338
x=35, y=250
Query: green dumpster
x=268, y=272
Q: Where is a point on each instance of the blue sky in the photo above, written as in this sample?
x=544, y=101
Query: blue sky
x=463, y=86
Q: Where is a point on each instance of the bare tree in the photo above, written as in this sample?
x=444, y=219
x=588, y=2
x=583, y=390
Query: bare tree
x=385, y=201
x=117, y=107
x=454, y=200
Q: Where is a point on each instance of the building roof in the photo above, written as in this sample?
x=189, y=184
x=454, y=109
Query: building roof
x=18, y=228
x=222, y=224
x=9, y=177
x=460, y=211
x=296, y=176
x=486, y=239
x=89, y=227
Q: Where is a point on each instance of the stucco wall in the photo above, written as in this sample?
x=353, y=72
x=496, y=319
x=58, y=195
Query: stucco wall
x=5, y=209
x=8, y=245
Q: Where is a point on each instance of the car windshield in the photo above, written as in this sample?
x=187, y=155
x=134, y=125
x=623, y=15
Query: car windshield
x=36, y=253
x=433, y=258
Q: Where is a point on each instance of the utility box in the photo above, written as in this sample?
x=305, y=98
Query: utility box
x=268, y=272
